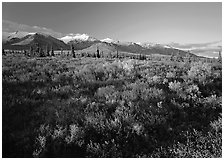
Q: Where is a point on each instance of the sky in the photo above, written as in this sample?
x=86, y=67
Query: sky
x=136, y=22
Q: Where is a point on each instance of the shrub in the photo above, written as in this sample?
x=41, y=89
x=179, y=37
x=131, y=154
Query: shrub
x=199, y=71
x=175, y=86
x=58, y=107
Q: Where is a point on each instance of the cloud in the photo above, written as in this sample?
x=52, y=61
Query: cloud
x=9, y=26
x=215, y=44
x=210, y=49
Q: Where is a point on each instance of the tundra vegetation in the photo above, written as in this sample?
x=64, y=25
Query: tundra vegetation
x=75, y=106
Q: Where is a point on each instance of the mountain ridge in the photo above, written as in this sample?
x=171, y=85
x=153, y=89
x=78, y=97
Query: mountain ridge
x=19, y=40
x=33, y=39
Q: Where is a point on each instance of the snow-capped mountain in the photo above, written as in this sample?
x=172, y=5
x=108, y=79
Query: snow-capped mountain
x=32, y=39
x=108, y=40
x=77, y=37
x=14, y=35
x=82, y=41
x=209, y=49
x=79, y=41
x=152, y=44
x=122, y=43
x=102, y=46
x=19, y=34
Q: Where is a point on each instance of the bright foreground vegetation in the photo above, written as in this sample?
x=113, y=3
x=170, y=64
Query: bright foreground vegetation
x=89, y=107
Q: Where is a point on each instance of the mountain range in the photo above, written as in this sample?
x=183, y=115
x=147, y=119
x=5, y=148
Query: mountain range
x=87, y=43
x=23, y=40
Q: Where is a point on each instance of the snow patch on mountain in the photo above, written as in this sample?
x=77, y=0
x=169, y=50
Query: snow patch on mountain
x=167, y=46
x=150, y=44
x=125, y=43
x=108, y=40
x=18, y=34
x=77, y=37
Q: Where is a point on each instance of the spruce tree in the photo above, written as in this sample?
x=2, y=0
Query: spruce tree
x=38, y=49
x=117, y=51
x=61, y=51
x=41, y=52
x=31, y=51
x=52, y=51
x=97, y=52
x=47, y=50
x=172, y=57
x=3, y=51
x=220, y=57
x=72, y=51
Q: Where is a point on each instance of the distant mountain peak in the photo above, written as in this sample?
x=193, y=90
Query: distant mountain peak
x=108, y=40
x=77, y=37
x=40, y=33
x=82, y=41
x=23, y=40
x=149, y=44
x=125, y=43
x=17, y=34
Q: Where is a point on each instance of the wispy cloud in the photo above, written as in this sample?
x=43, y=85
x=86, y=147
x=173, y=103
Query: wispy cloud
x=9, y=26
x=198, y=45
x=210, y=49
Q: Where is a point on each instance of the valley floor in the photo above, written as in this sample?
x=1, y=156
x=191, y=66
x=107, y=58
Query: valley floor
x=104, y=107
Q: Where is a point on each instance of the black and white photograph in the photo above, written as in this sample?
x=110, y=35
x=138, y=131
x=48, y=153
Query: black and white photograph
x=123, y=79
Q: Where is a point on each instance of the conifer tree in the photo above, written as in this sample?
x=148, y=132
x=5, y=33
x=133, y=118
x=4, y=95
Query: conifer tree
x=47, y=50
x=220, y=57
x=61, y=51
x=52, y=51
x=97, y=52
x=172, y=57
x=38, y=49
x=31, y=51
x=72, y=51
x=41, y=52
x=3, y=51
x=117, y=51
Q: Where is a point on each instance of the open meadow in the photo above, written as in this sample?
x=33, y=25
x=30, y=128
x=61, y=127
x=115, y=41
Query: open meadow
x=110, y=107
